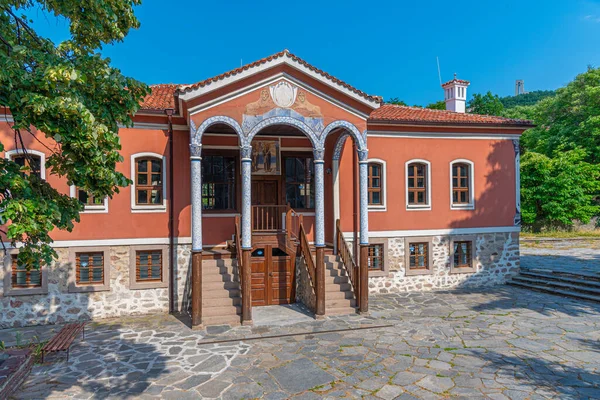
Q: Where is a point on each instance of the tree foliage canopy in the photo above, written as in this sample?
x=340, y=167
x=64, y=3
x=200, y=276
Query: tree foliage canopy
x=71, y=94
x=526, y=99
x=486, y=104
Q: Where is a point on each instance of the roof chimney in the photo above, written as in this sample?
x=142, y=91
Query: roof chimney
x=455, y=94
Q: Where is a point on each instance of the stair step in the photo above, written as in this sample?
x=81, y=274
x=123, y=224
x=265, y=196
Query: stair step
x=219, y=285
x=583, y=282
x=337, y=287
x=336, y=279
x=576, y=275
x=217, y=263
x=233, y=320
x=339, y=295
x=551, y=290
x=221, y=302
x=220, y=293
x=221, y=310
x=219, y=278
x=558, y=284
x=336, y=272
x=339, y=303
x=340, y=311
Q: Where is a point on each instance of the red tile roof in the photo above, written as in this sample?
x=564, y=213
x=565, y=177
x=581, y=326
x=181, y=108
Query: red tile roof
x=162, y=97
x=462, y=81
x=274, y=57
x=403, y=114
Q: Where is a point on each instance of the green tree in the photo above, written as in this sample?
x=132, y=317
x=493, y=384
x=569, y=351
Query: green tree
x=396, y=101
x=556, y=191
x=526, y=99
x=571, y=119
x=438, y=105
x=69, y=92
x=487, y=104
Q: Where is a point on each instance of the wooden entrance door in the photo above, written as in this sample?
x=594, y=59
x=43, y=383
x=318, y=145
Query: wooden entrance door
x=272, y=277
x=265, y=192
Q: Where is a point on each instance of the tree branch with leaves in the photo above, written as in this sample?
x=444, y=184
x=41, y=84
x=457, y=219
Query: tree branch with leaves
x=71, y=95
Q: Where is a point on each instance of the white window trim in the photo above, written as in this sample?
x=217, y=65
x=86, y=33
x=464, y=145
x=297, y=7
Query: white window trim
x=155, y=207
x=9, y=156
x=471, y=205
x=90, y=209
x=412, y=207
x=382, y=207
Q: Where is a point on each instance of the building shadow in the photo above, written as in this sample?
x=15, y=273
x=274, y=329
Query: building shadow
x=547, y=378
x=110, y=363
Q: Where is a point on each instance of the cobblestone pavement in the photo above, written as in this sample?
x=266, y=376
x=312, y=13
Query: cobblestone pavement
x=497, y=343
x=578, y=256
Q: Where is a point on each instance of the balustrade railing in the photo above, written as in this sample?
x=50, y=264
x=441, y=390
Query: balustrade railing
x=307, y=255
x=347, y=260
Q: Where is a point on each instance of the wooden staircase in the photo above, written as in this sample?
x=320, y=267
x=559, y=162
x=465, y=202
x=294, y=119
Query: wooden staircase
x=221, y=294
x=339, y=294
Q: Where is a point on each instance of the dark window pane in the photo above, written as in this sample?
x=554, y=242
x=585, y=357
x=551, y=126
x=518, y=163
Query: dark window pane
x=142, y=166
x=142, y=179
x=142, y=197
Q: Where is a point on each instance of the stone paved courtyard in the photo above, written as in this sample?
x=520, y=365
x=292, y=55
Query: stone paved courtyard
x=579, y=256
x=498, y=343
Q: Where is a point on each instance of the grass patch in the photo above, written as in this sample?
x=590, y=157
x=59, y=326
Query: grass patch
x=560, y=234
x=450, y=348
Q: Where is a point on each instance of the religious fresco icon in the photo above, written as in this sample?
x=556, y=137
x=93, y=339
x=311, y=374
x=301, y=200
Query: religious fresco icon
x=266, y=157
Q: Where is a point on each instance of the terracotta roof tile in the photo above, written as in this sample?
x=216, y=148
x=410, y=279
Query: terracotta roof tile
x=462, y=81
x=275, y=56
x=404, y=114
x=162, y=97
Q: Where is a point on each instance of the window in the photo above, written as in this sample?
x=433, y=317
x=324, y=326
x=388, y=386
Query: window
x=418, y=255
x=461, y=176
x=34, y=160
x=462, y=257
x=20, y=280
x=147, y=269
x=299, y=182
x=218, y=182
x=148, y=181
x=418, y=176
x=375, y=258
x=91, y=203
x=148, y=266
x=89, y=268
x=376, y=183
x=22, y=277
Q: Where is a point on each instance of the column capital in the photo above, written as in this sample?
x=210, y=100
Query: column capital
x=363, y=155
x=516, y=146
x=196, y=151
x=246, y=152
x=319, y=154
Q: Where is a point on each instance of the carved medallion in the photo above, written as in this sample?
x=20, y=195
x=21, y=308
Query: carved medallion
x=283, y=94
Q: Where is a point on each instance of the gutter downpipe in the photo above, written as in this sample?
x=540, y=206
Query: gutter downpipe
x=169, y=112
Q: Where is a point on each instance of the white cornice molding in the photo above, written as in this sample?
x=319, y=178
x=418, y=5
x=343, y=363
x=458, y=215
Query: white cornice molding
x=438, y=232
x=284, y=59
x=6, y=118
x=442, y=135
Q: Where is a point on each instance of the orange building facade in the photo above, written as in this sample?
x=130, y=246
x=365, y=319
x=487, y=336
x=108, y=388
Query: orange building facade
x=277, y=183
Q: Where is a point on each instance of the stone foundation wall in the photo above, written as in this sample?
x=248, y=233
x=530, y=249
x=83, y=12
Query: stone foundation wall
x=60, y=306
x=496, y=260
x=305, y=292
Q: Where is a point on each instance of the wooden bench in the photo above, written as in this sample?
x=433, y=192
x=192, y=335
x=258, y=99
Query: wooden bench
x=63, y=339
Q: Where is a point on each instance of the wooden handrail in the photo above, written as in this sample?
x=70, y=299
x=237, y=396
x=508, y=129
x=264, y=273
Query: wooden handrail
x=238, y=249
x=306, y=253
x=347, y=260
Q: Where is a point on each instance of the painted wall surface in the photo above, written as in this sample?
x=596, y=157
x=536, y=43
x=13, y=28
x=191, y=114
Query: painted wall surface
x=494, y=183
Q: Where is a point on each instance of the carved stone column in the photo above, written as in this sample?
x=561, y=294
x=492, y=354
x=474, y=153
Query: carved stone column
x=246, y=153
x=196, y=182
x=364, y=230
x=320, y=230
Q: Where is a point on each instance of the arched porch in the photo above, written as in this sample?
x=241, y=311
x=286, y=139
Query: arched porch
x=248, y=234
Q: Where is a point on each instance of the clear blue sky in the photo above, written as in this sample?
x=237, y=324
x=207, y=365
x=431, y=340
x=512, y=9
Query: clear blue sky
x=386, y=48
